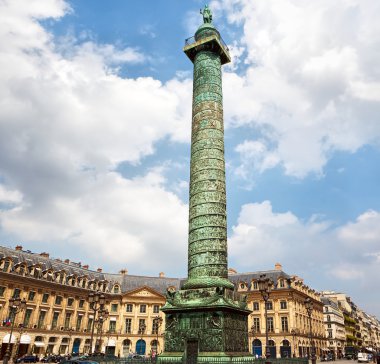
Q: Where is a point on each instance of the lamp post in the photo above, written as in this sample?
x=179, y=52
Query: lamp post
x=157, y=322
x=265, y=286
x=294, y=332
x=16, y=305
x=97, y=301
x=103, y=315
x=21, y=330
x=309, y=308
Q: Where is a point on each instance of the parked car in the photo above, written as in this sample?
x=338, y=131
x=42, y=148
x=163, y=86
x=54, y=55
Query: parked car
x=27, y=359
x=363, y=358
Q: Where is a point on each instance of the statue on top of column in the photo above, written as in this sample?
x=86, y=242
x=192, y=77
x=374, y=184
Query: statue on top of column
x=207, y=15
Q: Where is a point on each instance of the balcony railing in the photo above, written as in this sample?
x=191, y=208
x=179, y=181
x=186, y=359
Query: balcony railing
x=192, y=39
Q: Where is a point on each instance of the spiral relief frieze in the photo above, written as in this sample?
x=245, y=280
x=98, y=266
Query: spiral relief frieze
x=207, y=211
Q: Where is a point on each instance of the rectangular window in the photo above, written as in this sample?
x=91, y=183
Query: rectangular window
x=67, y=320
x=269, y=305
x=16, y=293
x=156, y=308
x=142, y=326
x=45, y=297
x=255, y=285
x=142, y=308
x=81, y=303
x=70, y=301
x=283, y=305
x=58, y=300
x=329, y=326
x=2, y=290
x=41, y=319
x=112, y=326
x=270, y=324
x=6, y=266
x=155, y=327
x=31, y=295
x=128, y=326
x=78, y=325
x=330, y=334
x=284, y=324
x=129, y=307
x=256, y=306
x=256, y=324
x=28, y=314
x=54, y=322
x=89, y=324
x=114, y=307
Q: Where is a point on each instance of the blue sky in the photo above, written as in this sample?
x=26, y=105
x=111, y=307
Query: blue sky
x=95, y=127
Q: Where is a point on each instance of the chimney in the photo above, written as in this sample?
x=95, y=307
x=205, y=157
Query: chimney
x=124, y=271
x=18, y=247
x=232, y=271
x=278, y=266
x=99, y=270
x=67, y=261
x=45, y=255
x=161, y=274
x=86, y=266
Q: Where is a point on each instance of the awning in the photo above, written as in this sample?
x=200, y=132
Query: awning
x=25, y=339
x=6, y=339
x=39, y=344
x=113, y=319
x=111, y=342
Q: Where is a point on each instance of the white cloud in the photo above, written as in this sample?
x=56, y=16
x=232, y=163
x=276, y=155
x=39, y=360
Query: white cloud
x=344, y=258
x=66, y=120
x=126, y=221
x=311, y=78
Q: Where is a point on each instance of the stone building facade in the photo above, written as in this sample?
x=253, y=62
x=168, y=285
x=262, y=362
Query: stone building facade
x=334, y=327
x=288, y=321
x=58, y=317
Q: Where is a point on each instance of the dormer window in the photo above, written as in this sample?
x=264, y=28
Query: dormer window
x=116, y=289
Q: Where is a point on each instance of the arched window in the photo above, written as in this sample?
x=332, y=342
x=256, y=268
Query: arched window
x=257, y=348
x=141, y=347
x=153, y=346
x=127, y=346
x=116, y=288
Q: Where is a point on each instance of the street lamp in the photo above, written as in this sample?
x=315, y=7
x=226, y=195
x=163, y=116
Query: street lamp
x=157, y=322
x=265, y=286
x=21, y=329
x=294, y=333
x=309, y=308
x=142, y=329
x=103, y=315
x=16, y=305
x=97, y=301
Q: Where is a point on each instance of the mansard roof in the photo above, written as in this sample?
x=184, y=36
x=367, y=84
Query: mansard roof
x=72, y=268
x=129, y=282
x=126, y=282
x=274, y=275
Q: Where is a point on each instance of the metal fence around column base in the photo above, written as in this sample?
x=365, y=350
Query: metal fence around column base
x=201, y=361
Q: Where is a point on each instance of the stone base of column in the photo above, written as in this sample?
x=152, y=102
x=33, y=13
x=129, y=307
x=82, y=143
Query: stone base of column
x=205, y=323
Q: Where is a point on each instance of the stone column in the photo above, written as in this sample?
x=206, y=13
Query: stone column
x=207, y=245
